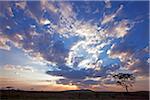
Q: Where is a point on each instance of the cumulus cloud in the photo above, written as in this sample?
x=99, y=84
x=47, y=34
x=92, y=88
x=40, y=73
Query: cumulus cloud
x=83, y=55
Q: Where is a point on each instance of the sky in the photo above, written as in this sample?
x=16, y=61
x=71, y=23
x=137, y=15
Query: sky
x=71, y=45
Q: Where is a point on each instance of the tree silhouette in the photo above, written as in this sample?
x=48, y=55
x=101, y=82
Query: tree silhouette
x=9, y=87
x=126, y=80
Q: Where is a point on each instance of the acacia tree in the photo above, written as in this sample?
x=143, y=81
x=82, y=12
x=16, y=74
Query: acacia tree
x=126, y=80
x=9, y=87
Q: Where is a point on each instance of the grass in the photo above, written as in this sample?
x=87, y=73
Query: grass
x=68, y=95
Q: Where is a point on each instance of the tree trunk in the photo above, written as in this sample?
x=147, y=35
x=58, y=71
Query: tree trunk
x=126, y=89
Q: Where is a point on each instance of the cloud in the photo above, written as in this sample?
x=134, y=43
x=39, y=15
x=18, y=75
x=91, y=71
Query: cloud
x=83, y=77
x=21, y=4
x=66, y=9
x=45, y=21
x=107, y=4
x=81, y=59
x=96, y=11
x=3, y=42
x=122, y=28
x=79, y=83
x=70, y=73
x=109, y=18
x=75, y=49
x=18, y=68
x=35, y=10
x=90, y=82
x=27, y=37
x=85, y=29
x=85, y=53
x=45, y=4
x=5, y=5
x=133, y=60
x=82, y=55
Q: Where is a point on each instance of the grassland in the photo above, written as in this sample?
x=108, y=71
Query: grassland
x=72, y=95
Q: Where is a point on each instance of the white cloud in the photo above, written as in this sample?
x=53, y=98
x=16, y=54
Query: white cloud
x=107, y=3
x=18, y=68
x=93, y=78
x=122, y=28
x=148, y=60
x=45, y=21
x=122, y=56
x=45, y=4
x=3, y=42
x=131, y=60
x=96, y=11
x=85, y=29
x=119, y=29
x=21, y=4
x=110, y=18
x=85, y=53
x=66, y=10
x=107, y=18
x=10, y=12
